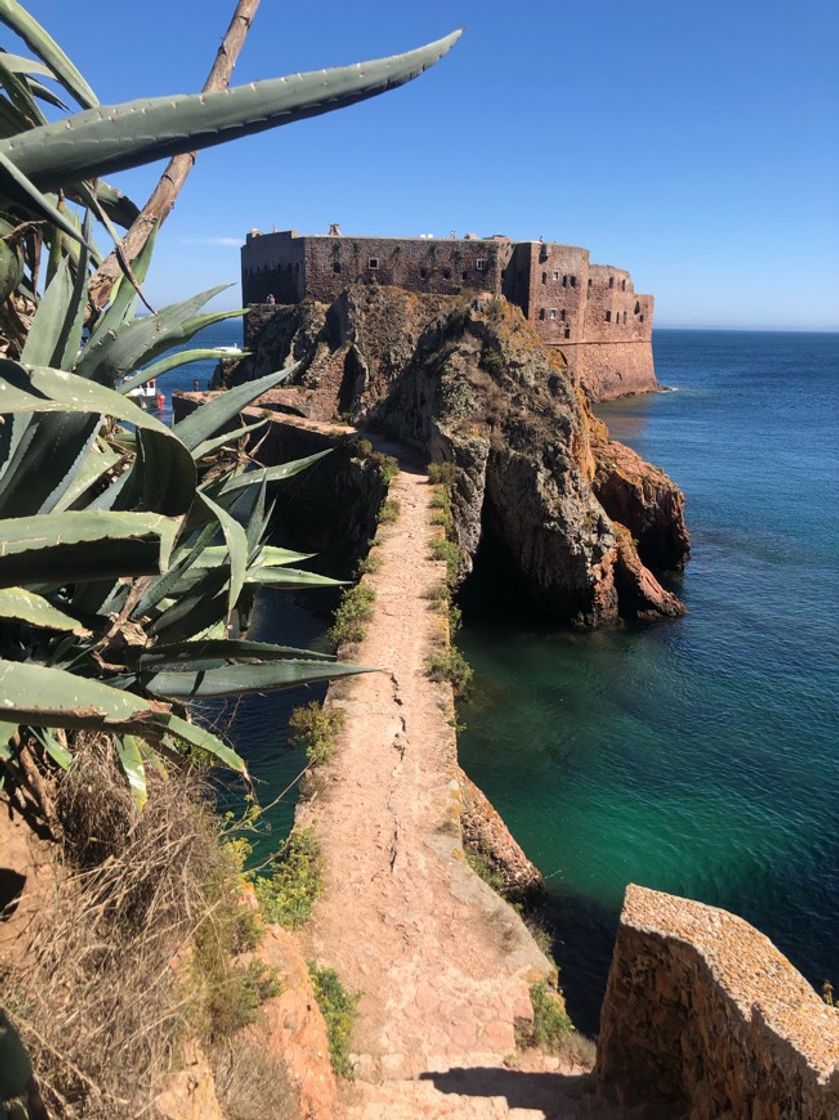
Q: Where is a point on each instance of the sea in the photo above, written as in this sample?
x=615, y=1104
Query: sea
x=698, y=756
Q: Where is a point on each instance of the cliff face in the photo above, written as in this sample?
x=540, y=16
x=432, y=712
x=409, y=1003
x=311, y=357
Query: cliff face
x=572, y=519
x=704, y=1018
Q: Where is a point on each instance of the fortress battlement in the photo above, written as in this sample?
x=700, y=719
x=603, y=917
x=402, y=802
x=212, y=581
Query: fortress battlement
x=591, y=311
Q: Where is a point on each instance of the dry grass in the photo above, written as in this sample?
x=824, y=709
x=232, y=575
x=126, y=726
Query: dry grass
x=250, y=1086
x=119, y=970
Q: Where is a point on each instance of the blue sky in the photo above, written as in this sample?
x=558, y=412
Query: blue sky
x=694, y=144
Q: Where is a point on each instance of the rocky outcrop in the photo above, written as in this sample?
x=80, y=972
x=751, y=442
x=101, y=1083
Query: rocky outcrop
x=541, y=491
x=705, y=1019
x=486, y=834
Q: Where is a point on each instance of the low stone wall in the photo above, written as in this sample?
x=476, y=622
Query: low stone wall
x=704, y=1019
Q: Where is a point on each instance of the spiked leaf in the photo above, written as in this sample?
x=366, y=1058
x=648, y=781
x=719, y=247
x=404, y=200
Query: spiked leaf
x=100, y=141
x=39, y=40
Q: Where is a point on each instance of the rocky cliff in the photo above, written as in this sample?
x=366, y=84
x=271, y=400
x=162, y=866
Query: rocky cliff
x=574, y=523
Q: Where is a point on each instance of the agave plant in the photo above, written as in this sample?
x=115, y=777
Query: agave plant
x=129, y=551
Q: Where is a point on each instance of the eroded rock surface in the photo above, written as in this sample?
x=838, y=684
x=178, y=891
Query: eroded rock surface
x=541, y=490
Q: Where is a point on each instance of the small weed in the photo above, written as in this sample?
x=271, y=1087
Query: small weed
x=388, y=465
x=233, y=999
x=314, y=728
x=388, y=511
x=367, y=565
x=551, y=1026
x=441, y=499
x=338, y=1007
x=289, y=893
x=445, y=473
x=485, y=869
x=827, y=994
x=444, y=549
x=353, y=614
x=443, y=517
x=449, y=665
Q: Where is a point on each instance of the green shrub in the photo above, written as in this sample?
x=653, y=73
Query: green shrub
x=296, y=882
x=441, y=498
x=367, y=565
x=449, y=665
x=388, y=511
x=485, y=869
x=234, y=995
x=388, y=465
x=492, y=362
x=445, y=473
x=551, y=1026
x=338, y=1007
x=444, y=549
x=314, y=728
x=352, y=615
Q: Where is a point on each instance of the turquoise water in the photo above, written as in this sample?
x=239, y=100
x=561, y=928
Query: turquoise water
x=699, y=756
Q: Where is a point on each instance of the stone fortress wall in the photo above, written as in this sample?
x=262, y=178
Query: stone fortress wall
x=591, y=312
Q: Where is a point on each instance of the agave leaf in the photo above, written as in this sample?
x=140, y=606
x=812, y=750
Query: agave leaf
x=206, y=420
x=26, y=606
x=14, y=15
x=213, y=652
x=44, y=93
x=162, y=587
x=99, y=460
x=42, y=474
x=237, y=549
x=48, y=697
x=71, y=335
x=47, y=328
x=20, y=95
x=113, y=138
x=58, y=548
x=130, y=757
x=196, y=736
x=117, y=348
x=20, y=65
x=210, y=445
x=195, y=612
x=233, y=483
x=268, y=555
x=290, y=579
x=55, y=749
x=118, y=206
x=240, y=679
x=7, y=730
x=182, y=358
x=122, y=300
x=17, y=187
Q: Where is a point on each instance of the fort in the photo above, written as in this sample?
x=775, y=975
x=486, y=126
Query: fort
x=590, y=311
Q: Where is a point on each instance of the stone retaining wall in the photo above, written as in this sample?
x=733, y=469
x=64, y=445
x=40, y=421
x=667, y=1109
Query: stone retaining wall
x=704, y=1019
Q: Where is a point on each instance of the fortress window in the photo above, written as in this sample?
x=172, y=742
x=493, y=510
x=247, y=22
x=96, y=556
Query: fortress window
x=553, y=313
x=623, y=285
x=589, y=281
x=556, y=276
x=641, y=318
x=541, y=313
x=637, y=308
x=481, y=264
x=565, y=281
x=567, y=332
x=336, y=266
x=611, y=281
x=465, y=274
x=573, y=281
x=545, y=277
x=624, y=316
x=608, y=316
x=562, y=314
x=373, y=262
x=447, y=273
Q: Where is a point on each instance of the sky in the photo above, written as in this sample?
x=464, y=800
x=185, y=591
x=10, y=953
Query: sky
x=696, y=144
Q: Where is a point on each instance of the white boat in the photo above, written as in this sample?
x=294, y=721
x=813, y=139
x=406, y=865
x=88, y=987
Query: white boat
x=147, y=396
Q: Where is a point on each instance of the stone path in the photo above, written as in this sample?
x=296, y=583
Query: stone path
x=443, y=964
